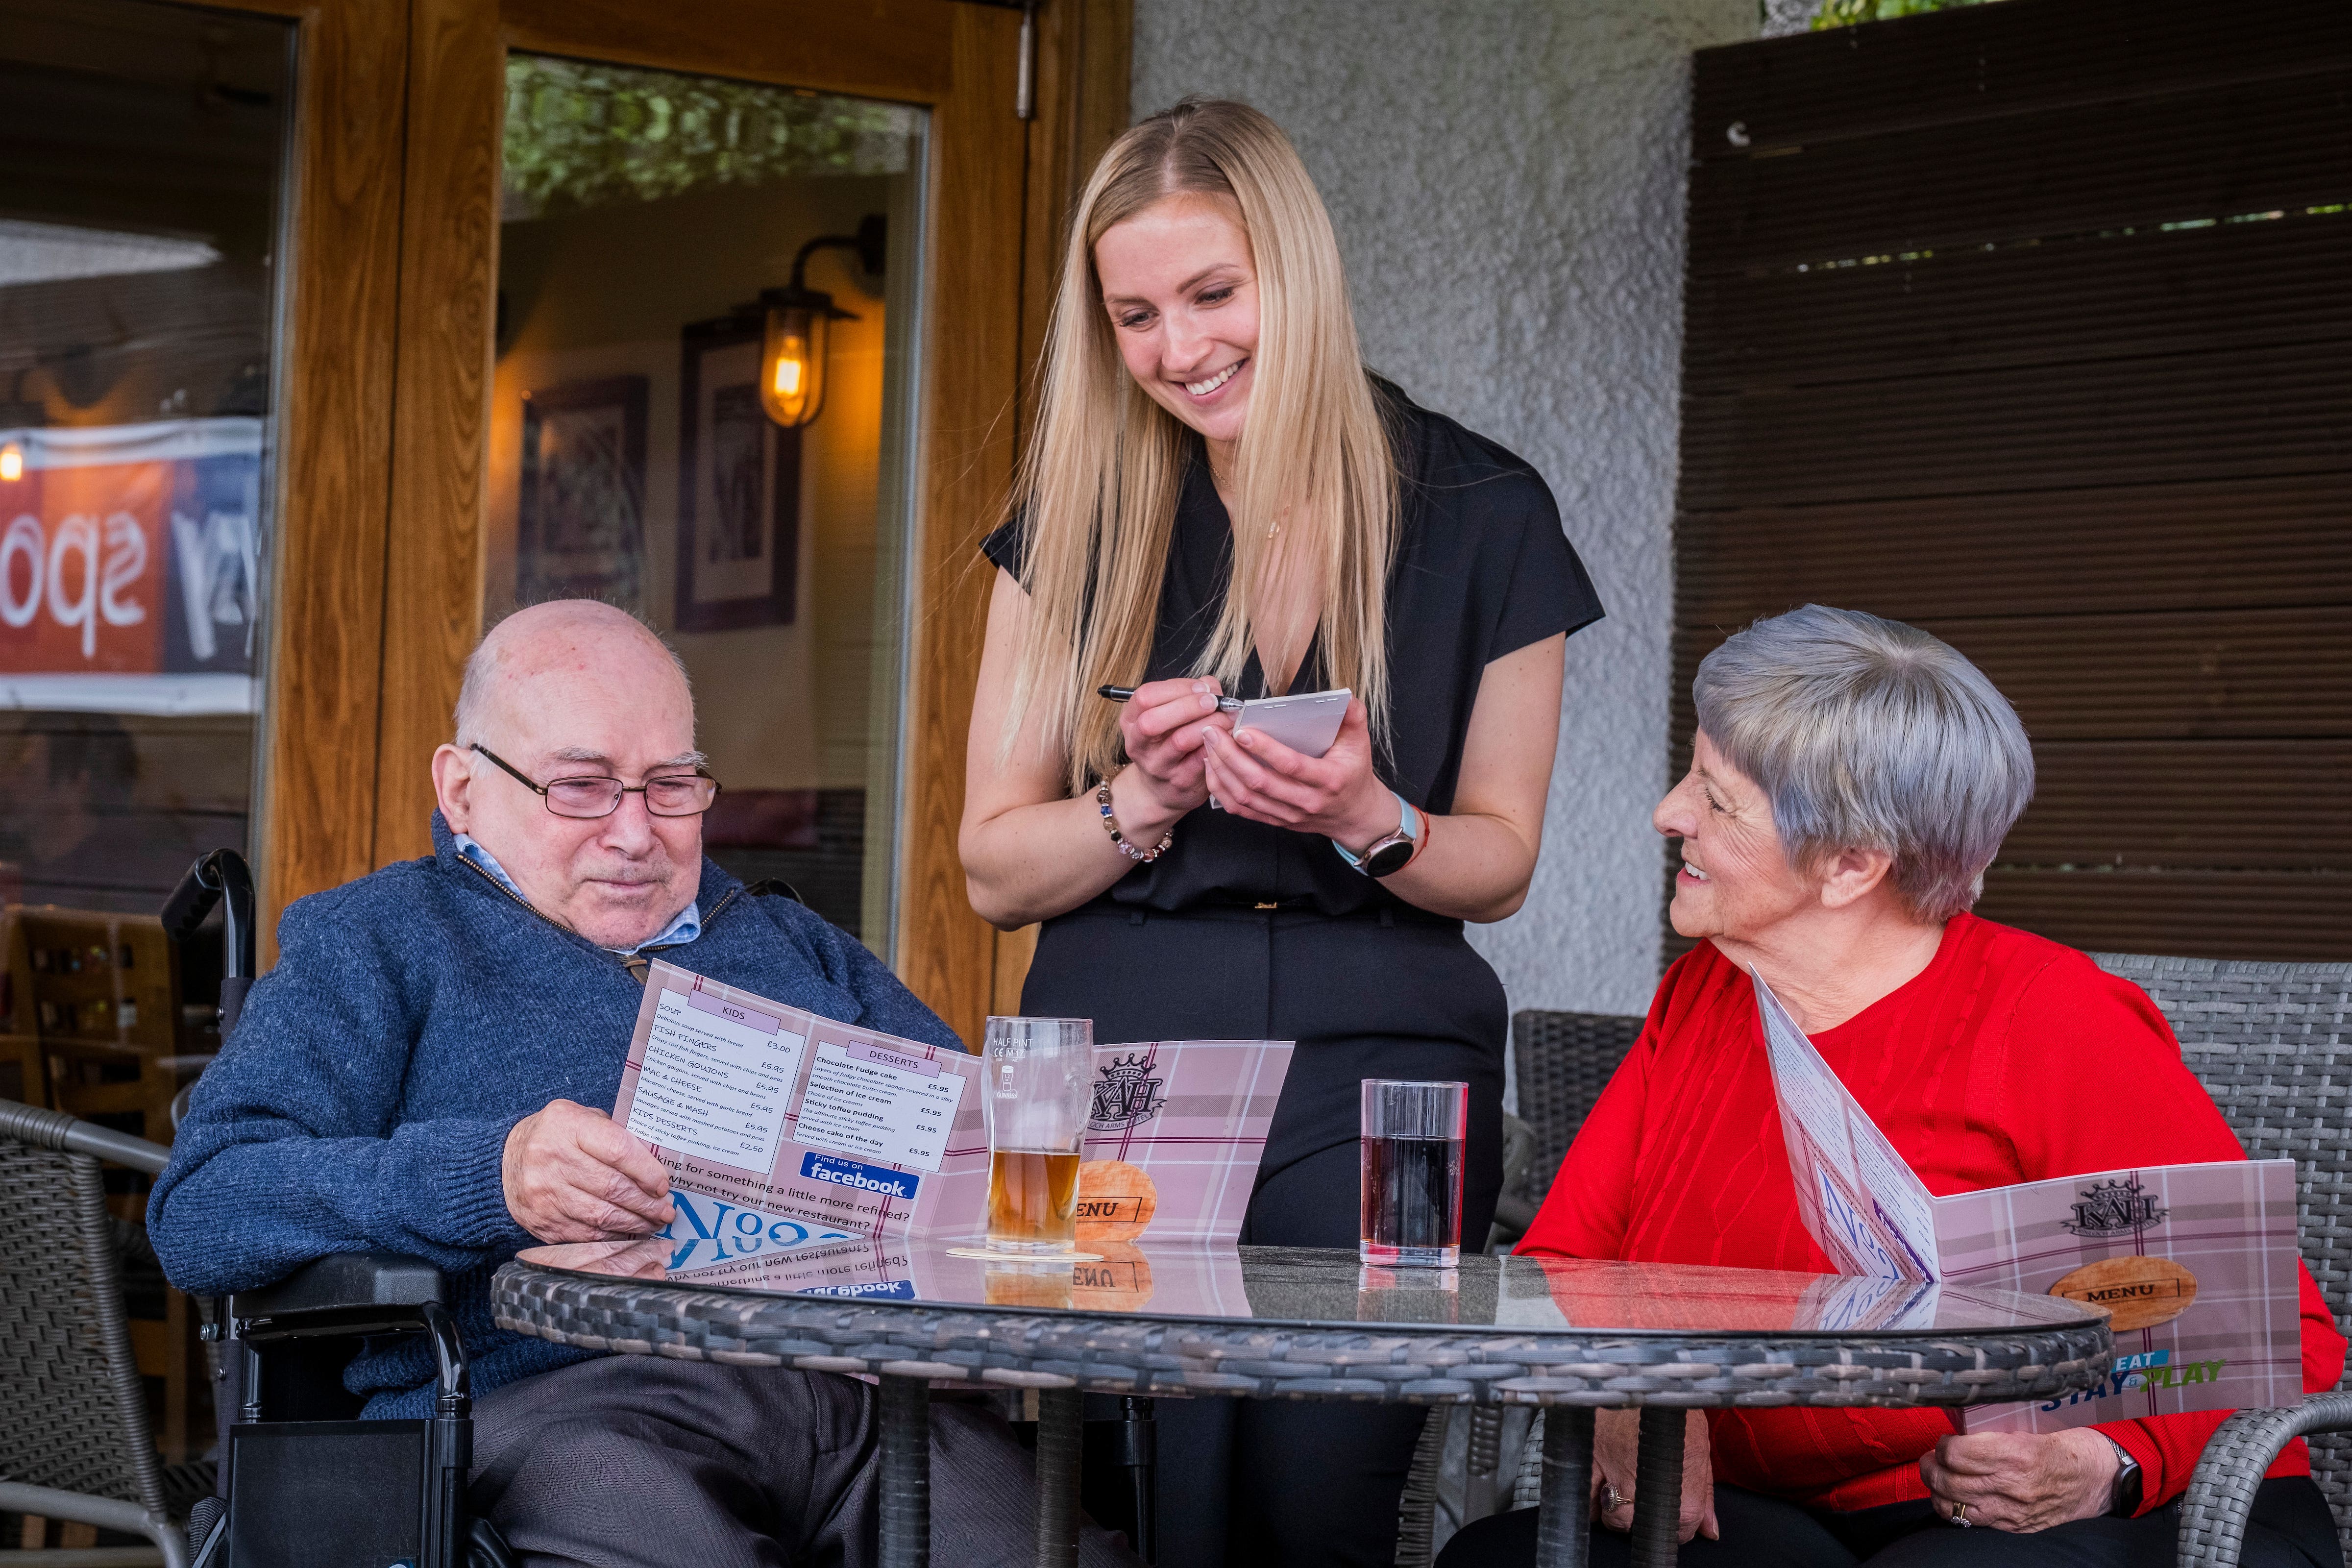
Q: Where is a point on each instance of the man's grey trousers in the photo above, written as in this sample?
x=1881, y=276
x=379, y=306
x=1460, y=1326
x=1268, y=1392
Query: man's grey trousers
x=638, y=1462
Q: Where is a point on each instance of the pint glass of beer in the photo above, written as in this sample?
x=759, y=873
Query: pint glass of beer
x=1038, y=1088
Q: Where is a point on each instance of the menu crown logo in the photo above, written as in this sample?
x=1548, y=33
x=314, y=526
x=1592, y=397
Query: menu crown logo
x=2115, y=1209
x=1127, y=1094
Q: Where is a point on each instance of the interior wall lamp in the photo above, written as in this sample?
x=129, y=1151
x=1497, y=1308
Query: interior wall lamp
x=800, y=322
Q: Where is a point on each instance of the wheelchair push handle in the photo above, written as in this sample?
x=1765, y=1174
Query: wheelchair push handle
x=221, y=878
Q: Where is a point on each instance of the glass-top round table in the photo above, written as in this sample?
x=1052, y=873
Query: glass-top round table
x=1144, y=1317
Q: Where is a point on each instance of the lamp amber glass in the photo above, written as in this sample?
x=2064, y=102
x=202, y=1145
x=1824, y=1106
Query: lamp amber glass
x=791, y=364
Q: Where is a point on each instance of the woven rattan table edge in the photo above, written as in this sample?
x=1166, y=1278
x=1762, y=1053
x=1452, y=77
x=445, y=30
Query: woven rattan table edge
x=1440, y=1365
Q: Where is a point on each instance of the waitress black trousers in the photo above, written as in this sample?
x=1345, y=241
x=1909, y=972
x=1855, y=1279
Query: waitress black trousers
x=1393, y=994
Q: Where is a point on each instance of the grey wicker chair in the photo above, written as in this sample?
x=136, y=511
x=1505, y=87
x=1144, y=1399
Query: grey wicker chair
x=77, y=1445
x=1564, y=1060
x=2272, y=1045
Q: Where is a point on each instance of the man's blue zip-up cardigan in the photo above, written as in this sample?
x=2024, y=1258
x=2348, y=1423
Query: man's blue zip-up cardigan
x=414, y=1016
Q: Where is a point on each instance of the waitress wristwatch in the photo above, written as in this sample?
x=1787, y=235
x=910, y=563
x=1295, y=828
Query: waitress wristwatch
x=1391, y=855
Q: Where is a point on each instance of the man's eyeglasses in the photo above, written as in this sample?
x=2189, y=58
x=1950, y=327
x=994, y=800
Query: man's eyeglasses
x=671, y=794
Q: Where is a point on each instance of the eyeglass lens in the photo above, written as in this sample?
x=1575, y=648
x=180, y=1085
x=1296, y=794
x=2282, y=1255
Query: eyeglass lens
x=685, y=795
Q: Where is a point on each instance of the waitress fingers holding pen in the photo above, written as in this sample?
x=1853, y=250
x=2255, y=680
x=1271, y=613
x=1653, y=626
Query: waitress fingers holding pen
x=1220, y=502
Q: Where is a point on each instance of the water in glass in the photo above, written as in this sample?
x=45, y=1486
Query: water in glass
x=1411, y=1173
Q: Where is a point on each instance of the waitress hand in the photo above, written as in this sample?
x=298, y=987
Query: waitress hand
x=1337, y=794
x=1161, y=727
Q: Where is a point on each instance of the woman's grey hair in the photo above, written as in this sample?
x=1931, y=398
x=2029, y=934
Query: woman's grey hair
x=1868, y=734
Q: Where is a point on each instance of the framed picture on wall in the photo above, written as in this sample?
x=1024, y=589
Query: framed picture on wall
x=739, y=504
x=580, y=519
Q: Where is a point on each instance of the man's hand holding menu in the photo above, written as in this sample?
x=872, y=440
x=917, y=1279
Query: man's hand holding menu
x=574, y=1174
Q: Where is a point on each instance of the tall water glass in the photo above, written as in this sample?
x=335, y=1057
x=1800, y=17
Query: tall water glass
x=1038, y=1088
x=1413, y=1134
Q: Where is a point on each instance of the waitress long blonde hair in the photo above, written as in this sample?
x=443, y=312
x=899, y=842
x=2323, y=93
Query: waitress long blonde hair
x=1315, y=480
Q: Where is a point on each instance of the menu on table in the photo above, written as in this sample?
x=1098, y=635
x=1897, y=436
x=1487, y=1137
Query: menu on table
x=783, y=1129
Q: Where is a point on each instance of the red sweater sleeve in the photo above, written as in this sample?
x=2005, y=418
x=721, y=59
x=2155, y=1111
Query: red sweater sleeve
x=1585, y=1212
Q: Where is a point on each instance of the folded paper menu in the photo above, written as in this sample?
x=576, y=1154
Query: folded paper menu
x=784, y=1130
x=2195, y=1265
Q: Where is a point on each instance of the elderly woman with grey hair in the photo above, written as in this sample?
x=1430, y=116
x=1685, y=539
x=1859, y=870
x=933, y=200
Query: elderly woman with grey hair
x=1851, y=779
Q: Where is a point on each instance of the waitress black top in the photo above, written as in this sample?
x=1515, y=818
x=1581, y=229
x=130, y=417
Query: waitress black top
x=1243, y=930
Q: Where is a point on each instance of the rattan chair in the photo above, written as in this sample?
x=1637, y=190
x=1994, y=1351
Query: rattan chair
x=1564, y=1060
x=76, y=1445
x=2272, y=1045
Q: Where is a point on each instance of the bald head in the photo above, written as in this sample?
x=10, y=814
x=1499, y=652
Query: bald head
x=576, y=689
x=544, y=641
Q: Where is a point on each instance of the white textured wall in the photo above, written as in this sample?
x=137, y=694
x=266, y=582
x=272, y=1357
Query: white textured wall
x=1506, y=177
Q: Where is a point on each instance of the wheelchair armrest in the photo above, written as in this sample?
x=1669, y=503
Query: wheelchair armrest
x=343, y=1293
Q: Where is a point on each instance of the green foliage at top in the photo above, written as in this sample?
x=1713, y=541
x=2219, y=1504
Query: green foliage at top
x=580, y=134
x=1847, y=12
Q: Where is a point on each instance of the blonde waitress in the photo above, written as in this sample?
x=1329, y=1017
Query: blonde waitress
x=1220, y=498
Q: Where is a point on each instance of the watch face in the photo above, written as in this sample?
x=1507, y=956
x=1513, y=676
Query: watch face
x=1389, y=856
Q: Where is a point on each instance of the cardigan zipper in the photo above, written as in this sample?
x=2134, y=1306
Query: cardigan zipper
x=638, y=965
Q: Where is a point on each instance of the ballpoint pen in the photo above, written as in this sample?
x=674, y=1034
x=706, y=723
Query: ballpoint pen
x=1121, y=693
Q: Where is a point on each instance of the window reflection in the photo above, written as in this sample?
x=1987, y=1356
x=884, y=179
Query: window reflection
x=144, y=145
x=632, y=458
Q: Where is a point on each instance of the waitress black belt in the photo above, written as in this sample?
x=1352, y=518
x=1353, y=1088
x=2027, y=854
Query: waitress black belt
x=1393, y=993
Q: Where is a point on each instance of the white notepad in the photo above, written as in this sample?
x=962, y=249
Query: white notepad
x=1307, y=722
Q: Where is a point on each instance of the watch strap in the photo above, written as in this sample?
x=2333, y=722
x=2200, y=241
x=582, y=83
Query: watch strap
x=1409, y=830
x=2125, y=1501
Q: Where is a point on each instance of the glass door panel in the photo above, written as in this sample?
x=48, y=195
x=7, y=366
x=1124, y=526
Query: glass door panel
x=749, y=493
x=146, y=150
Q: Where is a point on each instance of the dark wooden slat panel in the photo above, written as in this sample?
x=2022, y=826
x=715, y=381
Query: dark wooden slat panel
x=2188, y=914
x=2234, y=150
x=1970, y=64
x=2218, y=545
x=2225, y=287
x=2187, y=805
x=2204, y=416
x=2238, y=674
x=2249, y=674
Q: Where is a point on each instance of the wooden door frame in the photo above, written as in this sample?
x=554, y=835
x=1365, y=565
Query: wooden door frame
x=315, y=749
x=423, y=557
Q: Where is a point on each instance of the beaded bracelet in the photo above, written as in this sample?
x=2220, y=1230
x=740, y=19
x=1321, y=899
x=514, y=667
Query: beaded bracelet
x=1110, y=826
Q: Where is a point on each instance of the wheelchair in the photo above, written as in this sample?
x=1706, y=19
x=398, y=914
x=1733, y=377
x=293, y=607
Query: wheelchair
x=303, y=1482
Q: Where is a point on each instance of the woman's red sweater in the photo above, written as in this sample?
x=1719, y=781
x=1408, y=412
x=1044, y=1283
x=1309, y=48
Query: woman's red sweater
x=2009, y=1058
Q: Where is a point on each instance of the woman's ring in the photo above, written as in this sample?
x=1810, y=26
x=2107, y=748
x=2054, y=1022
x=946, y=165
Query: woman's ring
x=1609, y=1501
x=1960, y=1516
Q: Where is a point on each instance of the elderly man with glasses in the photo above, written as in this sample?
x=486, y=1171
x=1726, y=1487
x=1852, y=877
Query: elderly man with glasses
x=427, y=1072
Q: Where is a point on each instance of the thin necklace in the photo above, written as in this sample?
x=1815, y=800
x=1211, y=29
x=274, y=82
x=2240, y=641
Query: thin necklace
x=1224, y=480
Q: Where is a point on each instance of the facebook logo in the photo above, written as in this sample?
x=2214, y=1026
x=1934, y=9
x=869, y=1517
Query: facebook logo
x=877, y=1179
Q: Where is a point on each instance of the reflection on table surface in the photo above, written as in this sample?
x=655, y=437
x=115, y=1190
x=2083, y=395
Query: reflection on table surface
x=1142, y=1278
